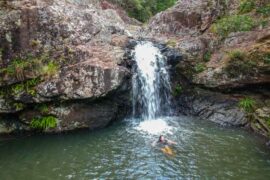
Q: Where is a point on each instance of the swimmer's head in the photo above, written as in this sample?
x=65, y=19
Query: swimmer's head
x=161, y=138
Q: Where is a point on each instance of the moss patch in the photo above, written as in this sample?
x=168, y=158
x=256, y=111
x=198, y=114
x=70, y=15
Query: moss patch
x=178, y=89
x=200, y=67
x=207, y=56
x=21, y=68
x=172, y=43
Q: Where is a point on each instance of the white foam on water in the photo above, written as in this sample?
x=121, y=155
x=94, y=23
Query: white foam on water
x=155, y=127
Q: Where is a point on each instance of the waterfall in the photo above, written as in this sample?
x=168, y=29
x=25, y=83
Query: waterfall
x=150, y=83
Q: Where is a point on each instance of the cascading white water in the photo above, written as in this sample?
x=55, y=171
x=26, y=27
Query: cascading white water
x=151, y=83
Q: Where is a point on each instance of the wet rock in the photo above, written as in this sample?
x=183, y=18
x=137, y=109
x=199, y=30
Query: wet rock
x=216, y=107
x=11, y=125
x=261, y=121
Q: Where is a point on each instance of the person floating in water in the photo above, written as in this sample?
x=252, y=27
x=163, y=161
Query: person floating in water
x=163, y=140
x=165, y=143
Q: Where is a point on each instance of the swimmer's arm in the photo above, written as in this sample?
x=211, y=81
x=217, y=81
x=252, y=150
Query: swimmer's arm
x=172, y=142
x=154, y=144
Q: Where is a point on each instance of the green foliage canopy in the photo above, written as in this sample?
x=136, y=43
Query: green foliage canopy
x=142, y=10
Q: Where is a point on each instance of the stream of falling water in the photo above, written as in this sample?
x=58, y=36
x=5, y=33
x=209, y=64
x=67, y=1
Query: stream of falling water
x=151, y=82
x=151, y=88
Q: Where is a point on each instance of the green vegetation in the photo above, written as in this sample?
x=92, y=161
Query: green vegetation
x=236, y=55
x=30, y=86
x=200, y=67
x=18, y=106
x=235, y=23
x=239, y=63
x=35, y=43
x=2, y=93
x=50, y=69
x=207, y=56
x=43, y=108
x=31, y=66
x=177, y=90
x=264, y=10
x=268, y=121
x=247, y=104
x=18, y=88
x=17, y=67
x=142, y=10
x=263, y=23
x=43, y=122
x=266, y=58
x=246, y=6
x=27, y=86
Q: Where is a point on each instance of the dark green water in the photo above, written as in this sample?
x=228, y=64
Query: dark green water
x=122, y=151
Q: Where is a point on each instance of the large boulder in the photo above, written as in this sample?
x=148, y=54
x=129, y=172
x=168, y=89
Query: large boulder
x=68, y=51
x=188, y=17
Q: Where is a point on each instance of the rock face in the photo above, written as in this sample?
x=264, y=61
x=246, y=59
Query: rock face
x=216, y=107
x=68, y=51
x=189, y=17
x=217, y=72
x=225, y=71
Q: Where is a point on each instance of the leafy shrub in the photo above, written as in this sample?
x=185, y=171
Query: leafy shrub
x=263, y=23
x=18, y=88
x=236, y=55
x=246, y=6
x=199, y=68
x=43, y=122
x=235, y=23
x=247, y=104
x=177, y=90
x=28, y=86
x=207, y=56
x=142, y=10
x=264, y=10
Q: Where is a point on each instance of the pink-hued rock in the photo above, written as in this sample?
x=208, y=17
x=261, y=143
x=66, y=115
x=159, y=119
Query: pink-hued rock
x=87, y=42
